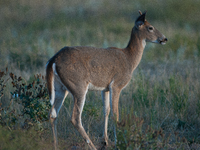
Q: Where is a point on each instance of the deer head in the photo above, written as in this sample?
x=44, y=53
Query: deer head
x=149, y=33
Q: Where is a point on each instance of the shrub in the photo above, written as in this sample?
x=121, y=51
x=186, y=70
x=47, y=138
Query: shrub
x=31, y=98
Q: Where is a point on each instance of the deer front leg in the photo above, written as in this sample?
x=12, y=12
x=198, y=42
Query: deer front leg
x=106, y=107
x=114, y=100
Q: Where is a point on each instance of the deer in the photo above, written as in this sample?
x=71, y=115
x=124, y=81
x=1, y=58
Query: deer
x=78, y=69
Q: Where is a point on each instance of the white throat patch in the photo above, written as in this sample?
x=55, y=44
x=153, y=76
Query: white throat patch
x=144, y=43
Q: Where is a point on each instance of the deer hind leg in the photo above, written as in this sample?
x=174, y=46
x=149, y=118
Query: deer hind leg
x=79, y=101
x=106, y=105
x=59, y=94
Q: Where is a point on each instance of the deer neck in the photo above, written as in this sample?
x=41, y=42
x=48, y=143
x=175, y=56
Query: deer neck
x=135, y=49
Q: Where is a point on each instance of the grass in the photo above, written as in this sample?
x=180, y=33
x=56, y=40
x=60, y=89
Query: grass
x=20, y=139
x=164, y=91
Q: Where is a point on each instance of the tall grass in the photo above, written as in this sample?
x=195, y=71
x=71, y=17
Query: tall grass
x=165, y=87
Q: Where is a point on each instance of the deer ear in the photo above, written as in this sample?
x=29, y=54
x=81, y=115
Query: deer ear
x=140, y=20
x=140, y=12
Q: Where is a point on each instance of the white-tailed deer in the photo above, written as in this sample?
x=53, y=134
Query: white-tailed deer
x=78, y=69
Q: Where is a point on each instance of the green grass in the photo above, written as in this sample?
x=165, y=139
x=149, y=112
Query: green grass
x=23, y=140
x=164, y=91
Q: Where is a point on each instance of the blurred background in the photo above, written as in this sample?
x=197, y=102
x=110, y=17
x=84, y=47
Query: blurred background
x=165, y=88
x=33, y=31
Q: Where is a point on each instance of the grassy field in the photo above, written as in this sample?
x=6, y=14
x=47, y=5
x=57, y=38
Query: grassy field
x=165, y=89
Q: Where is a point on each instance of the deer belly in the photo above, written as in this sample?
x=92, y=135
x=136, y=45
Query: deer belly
x=96, y=88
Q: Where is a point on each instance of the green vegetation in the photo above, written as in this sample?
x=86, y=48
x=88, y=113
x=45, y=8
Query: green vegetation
x=159, y=109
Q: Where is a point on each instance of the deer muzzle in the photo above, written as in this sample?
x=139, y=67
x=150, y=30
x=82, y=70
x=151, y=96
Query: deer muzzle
x=162, y=40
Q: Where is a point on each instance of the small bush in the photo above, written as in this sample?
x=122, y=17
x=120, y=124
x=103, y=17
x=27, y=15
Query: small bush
x=31, y=98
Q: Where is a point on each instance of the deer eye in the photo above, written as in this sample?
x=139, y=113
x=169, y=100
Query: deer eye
x=150, y=28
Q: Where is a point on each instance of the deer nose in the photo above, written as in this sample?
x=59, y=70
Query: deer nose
x=163, y=40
